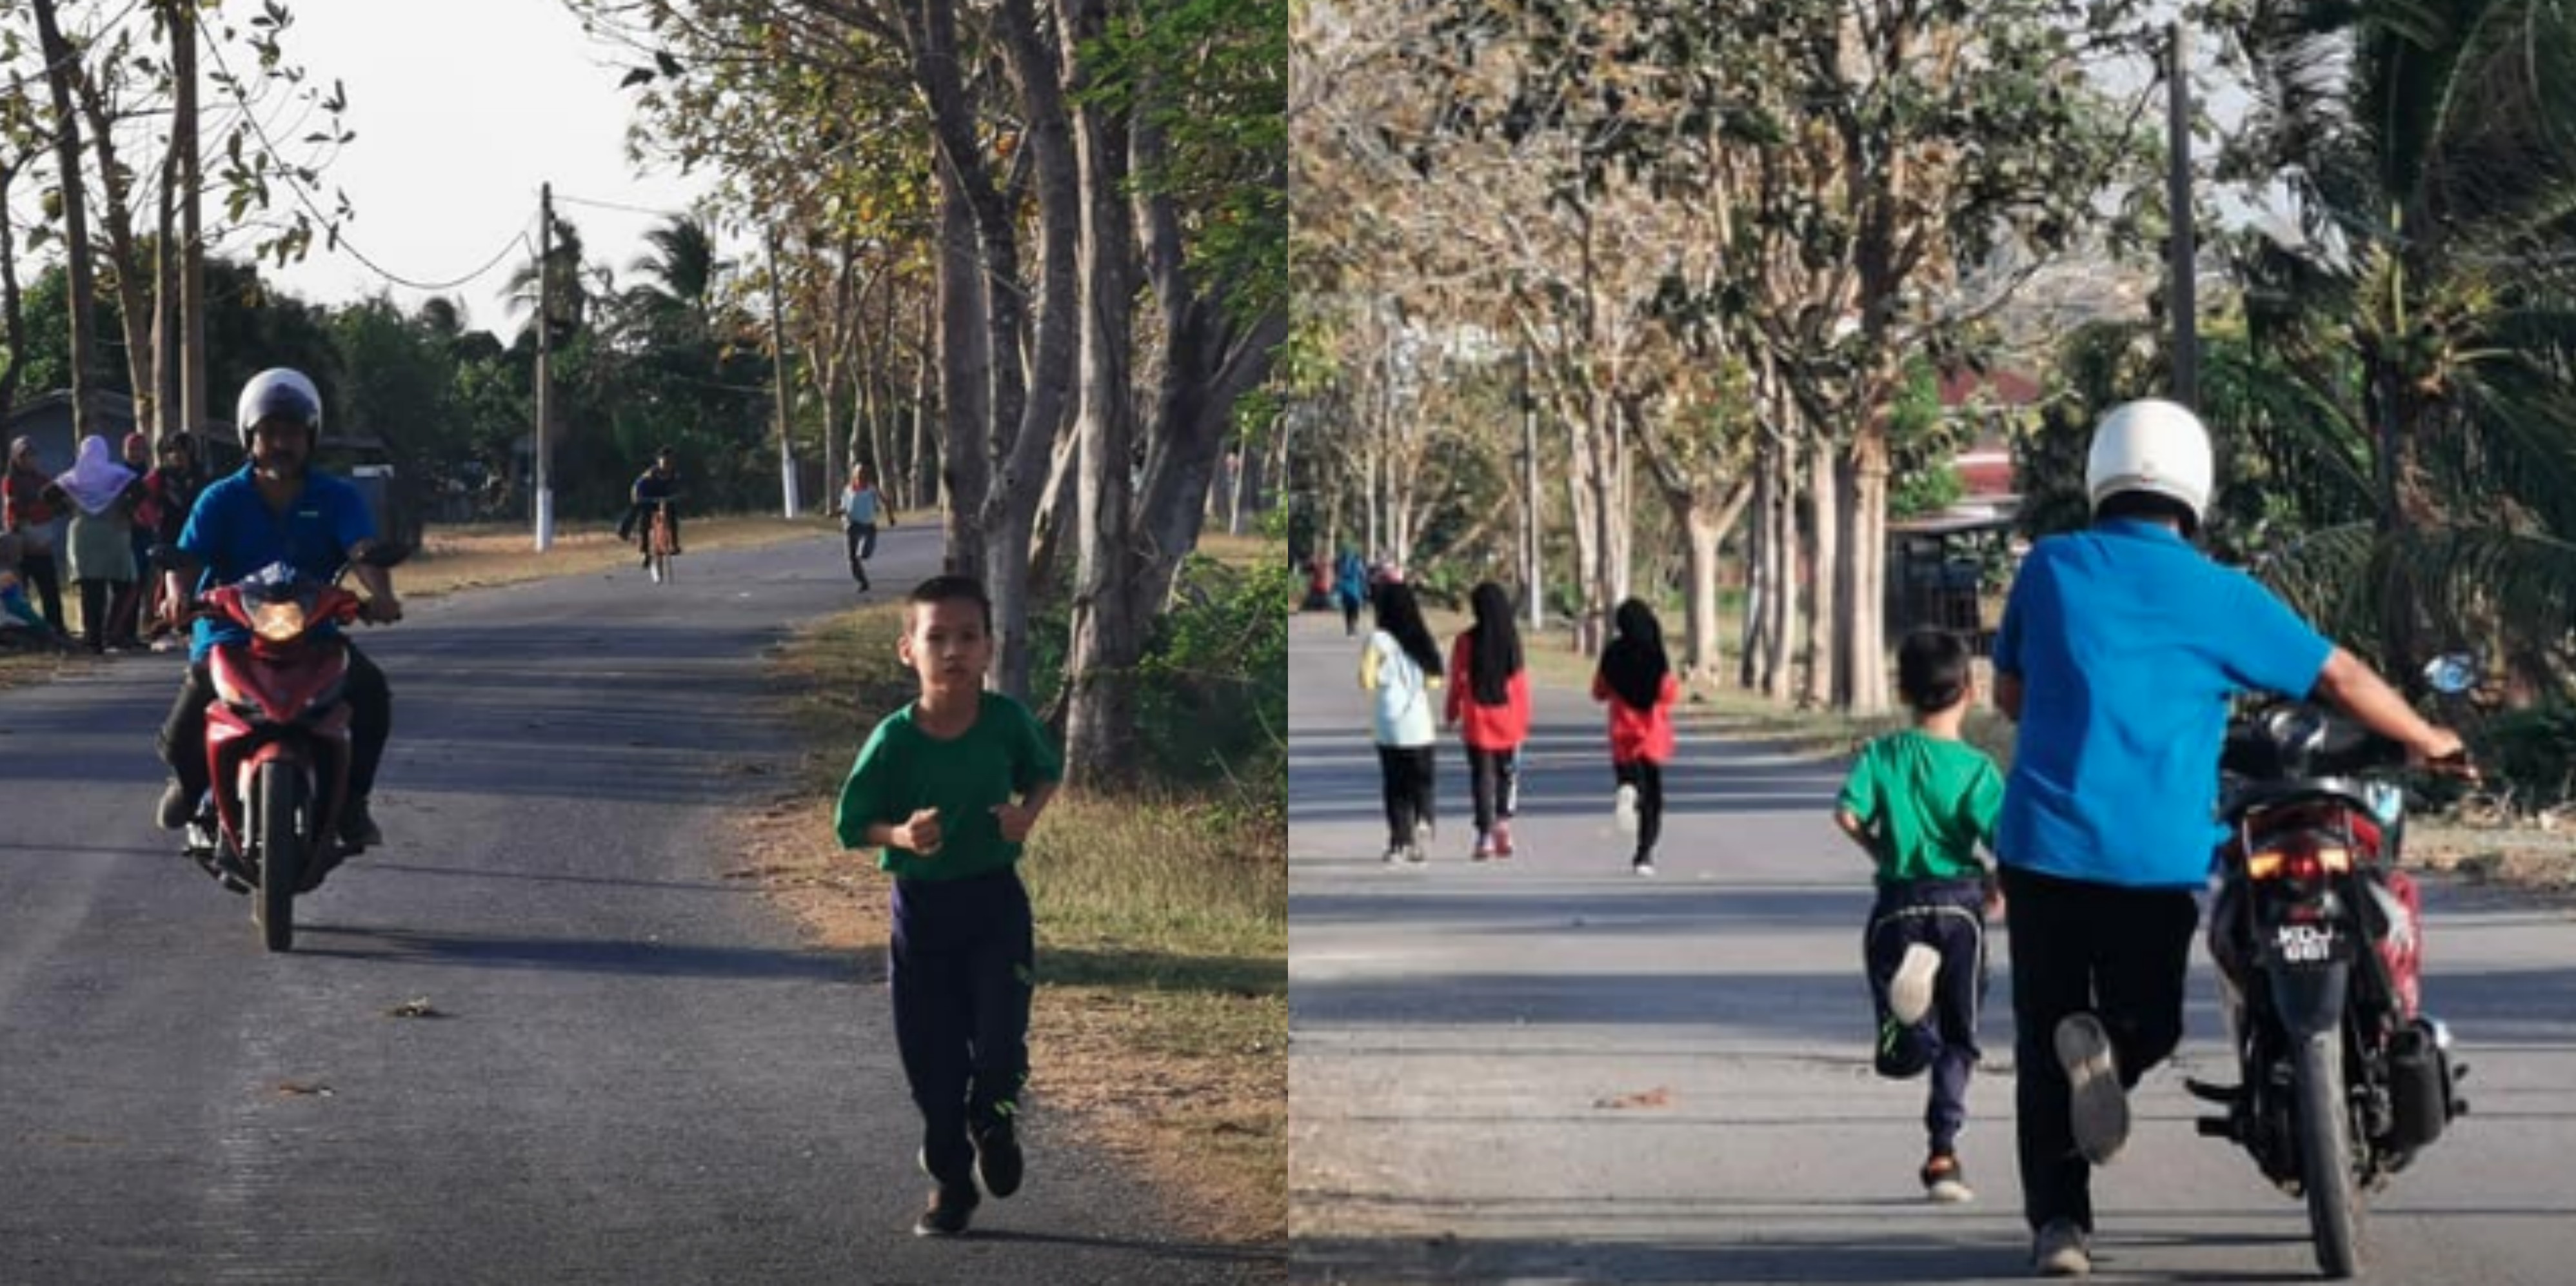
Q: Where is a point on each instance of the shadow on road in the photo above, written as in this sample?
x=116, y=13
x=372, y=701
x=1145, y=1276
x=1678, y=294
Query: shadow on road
x=1202, y=1251
x=641, y=959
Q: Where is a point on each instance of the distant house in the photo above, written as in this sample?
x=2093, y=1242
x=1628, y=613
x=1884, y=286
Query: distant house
x=47, y=421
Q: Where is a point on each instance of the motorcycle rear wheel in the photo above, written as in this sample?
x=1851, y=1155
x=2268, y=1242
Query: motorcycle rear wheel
x=2323, y=1116
x=278, y=810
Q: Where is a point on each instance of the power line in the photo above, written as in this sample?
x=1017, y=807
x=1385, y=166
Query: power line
x=304, y=198
x=619, y=205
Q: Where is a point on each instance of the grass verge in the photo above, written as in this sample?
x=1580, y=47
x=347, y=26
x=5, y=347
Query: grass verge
x=1160, y=1024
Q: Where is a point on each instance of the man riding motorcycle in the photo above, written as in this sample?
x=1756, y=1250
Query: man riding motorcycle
x=277, y=509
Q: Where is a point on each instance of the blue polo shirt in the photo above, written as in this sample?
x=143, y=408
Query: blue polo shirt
x=2129, y=643
x=234, y=533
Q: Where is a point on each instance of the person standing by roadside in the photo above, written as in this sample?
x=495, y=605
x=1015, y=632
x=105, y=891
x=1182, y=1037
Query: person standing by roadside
x=1636, y=679
x=1489, y=703
x=173, y=485
x=101, y=495
x=1400, y=666
x=27, y=513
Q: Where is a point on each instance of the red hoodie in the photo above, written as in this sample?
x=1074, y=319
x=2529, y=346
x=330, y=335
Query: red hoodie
x=1485, y=727
x=1640, y=734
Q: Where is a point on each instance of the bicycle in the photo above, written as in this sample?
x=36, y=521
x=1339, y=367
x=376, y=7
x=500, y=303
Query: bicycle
x=658, y=544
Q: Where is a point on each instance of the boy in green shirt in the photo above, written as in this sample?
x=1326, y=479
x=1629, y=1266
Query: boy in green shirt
x=1920, y=802
x=947, y=788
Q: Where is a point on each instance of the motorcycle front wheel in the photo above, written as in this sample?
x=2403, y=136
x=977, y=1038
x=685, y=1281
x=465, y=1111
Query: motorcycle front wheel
x=2324, y=1121
x=277, y=813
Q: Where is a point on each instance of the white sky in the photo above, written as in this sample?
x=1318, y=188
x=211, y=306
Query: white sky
x=461, y=109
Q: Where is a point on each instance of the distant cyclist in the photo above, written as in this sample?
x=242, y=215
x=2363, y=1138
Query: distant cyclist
x=659, y=485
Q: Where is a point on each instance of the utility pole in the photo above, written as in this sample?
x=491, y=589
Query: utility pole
x=193, y=411
x=545, y=494
x=778, y=340
x=1533, y=563
x=2181, y=294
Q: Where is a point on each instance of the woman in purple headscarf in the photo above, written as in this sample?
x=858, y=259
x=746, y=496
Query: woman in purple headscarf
x=102, y=495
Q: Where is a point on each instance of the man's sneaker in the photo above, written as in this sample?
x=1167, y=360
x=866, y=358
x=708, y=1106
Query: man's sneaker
x=1502, y=839
x=1395, y=855
x=1643, y=866
x=1623, y=808
x=1415, y=855
x=2060, y=1251
x=1945, y=1182
x=1909, y=993
x=998, y=1160
x=2097, y=1108
x=178, y=804
x=357, y=827
x=950, y=1210
x=1484, y=848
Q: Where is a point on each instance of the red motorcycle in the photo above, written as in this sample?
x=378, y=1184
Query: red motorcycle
x=277, y=740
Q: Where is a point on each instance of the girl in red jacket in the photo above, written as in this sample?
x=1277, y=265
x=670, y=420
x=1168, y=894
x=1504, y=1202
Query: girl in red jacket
x=1489, y=703
x=1638, y=683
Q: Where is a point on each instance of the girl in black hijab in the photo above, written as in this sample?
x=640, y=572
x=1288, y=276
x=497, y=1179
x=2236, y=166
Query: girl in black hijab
x=1400, y=669
x=1490, y=704
x=1637, y=681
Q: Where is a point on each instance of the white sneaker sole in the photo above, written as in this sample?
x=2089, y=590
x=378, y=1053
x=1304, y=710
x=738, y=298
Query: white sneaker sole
x=1623, y=810
x=2097, y=1108
x=1949, y=1192
x=1909, y=993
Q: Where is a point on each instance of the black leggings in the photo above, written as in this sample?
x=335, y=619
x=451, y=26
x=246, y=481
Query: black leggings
x=1648, y=777
x=1495, y=774
x=45, y=575
x=1407, y=774
x=862, y=539
x=97, y=597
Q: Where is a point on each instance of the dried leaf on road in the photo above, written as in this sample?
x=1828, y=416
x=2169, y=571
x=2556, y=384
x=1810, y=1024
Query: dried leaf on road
x=416, y=1007
x=1656, y=1097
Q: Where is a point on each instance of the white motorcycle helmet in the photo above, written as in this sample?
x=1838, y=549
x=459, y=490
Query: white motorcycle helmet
x=2153, y=446
x=278, y=391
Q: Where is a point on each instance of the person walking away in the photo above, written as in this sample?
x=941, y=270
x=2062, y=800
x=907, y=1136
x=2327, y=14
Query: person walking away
x=1920, y=802
x=1400, y=666
x=861, y=509
x=1636, y=679
x=28, y=513
x=947, y=790
x=101, y=494
x=1350, y=588
x=2119, y=649
x=1489, y=703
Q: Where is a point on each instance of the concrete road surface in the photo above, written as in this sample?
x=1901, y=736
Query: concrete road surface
x=1548, y=1070
x=638, y=1076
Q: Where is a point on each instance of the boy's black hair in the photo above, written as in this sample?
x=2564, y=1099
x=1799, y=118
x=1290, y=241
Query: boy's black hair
x=1932, y=669
x=950, y=589
x=2148, y=506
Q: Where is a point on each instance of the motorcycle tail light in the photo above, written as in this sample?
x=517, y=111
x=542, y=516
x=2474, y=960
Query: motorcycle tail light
x=2301, y=858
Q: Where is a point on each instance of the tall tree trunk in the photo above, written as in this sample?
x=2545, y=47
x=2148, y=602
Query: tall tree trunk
x=1788, y=584
x=62, y=64
x=966, y=381
x=1027, y=420
x=194, y=410
x=1865, y=611
x=133, y=306
x=1824, y=564
x=927, y=456
x=169, y=329
x=13, y=306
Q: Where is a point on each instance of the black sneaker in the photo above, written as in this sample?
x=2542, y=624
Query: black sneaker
x=998, y=1159
x=950, y=1210
x=178, y=804
x=357, y=828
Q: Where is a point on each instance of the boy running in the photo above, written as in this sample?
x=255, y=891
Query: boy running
x=948, y=788
x=1920, y=802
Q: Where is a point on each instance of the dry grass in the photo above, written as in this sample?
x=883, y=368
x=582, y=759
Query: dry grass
x=485, y=554
x=1160, y=1024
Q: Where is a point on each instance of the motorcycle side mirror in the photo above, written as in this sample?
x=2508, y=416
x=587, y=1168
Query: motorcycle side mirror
x=2452, y=674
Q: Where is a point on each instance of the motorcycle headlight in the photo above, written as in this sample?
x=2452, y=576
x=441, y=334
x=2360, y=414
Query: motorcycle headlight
x=277, y=621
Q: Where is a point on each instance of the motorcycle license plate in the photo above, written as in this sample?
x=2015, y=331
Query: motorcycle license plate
x=2299, y=945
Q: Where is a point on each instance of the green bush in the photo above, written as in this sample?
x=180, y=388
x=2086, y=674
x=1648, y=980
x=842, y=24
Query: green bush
x=1214, y=704
x=2533, y=749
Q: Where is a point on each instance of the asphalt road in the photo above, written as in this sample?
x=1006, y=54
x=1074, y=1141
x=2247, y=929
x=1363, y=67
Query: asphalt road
x=1549, y=1070
x=639, y=1075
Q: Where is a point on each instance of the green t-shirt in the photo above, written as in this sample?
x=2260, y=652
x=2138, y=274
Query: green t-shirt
x=1927, y=802
x=999, y=757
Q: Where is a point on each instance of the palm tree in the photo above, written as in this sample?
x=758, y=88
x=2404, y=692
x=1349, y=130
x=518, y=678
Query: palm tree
x=2427, y=314
x=682, y=266
x=564, y=283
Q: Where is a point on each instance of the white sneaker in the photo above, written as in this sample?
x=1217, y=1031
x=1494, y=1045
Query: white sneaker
x=1642, y=868
x=2097, y=1108
x=2060, y=1251
x=1909, y=993
x=1623, y=809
